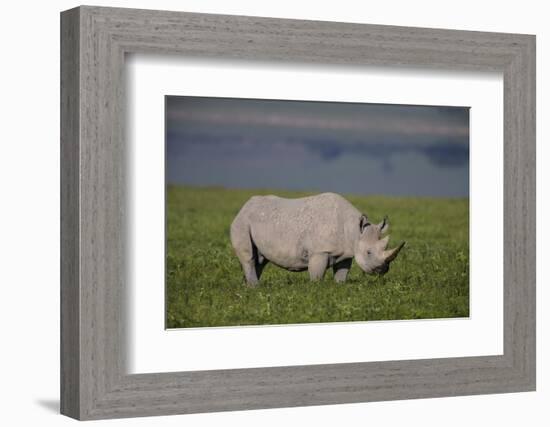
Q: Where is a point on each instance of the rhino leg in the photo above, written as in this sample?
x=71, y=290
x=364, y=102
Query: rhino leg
x=341, y=270
x=261, y=262
x=317, y=266
x=249, y=269
x=245, y=251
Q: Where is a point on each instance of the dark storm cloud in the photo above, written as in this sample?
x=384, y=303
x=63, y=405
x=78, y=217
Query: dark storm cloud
x=310, y=134
x=441, y=152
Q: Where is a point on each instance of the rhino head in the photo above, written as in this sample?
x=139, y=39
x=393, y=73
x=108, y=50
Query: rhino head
x=371, y=253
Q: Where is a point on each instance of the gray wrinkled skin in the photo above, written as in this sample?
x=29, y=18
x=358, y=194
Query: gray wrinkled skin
x=310, y=233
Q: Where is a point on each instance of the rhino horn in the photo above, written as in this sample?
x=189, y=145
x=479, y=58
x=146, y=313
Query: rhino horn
x=390, y=255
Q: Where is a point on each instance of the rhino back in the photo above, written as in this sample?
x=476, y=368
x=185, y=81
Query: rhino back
x=286, y=231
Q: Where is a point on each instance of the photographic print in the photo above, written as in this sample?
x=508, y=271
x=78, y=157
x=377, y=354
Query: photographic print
x=294, y=212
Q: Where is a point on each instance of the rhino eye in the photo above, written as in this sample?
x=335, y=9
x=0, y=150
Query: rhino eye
x=369, y=253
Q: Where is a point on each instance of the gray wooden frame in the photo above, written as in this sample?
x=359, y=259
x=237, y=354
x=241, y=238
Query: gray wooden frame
x=94, y=382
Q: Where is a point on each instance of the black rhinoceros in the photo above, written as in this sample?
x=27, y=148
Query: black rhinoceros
x=311, y=233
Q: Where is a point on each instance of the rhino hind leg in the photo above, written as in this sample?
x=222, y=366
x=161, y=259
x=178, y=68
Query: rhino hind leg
x=341, y=270
x=249, y=270
x=317, y=265
x=245, y=251
x=248, y=265
x=261, y=262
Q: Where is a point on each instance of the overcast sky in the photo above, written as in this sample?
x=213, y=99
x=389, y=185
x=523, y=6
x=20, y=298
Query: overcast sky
x=318, y=146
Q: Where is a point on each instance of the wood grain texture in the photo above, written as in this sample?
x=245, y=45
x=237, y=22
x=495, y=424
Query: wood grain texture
x=70, y=220
x=94, y=382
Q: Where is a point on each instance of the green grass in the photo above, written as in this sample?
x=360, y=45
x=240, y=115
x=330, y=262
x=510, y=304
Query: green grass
x=205, y=286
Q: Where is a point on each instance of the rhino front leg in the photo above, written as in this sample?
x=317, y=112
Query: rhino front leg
x=317, y=266
x=341, y=270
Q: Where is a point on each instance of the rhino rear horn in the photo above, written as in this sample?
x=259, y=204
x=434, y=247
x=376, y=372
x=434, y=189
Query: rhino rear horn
x=390, y=255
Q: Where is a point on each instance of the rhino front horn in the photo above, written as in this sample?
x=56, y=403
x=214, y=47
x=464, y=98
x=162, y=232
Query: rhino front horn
x=392, y=253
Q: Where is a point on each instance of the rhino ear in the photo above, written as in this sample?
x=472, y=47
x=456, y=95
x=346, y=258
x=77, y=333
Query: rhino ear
x=384, y=225
x=363, y=223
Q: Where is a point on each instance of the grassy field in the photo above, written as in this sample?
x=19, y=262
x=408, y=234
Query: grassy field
x=205, y=287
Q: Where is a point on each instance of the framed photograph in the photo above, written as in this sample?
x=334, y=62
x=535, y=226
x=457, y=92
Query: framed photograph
x=240, y=170
x=261, y=213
